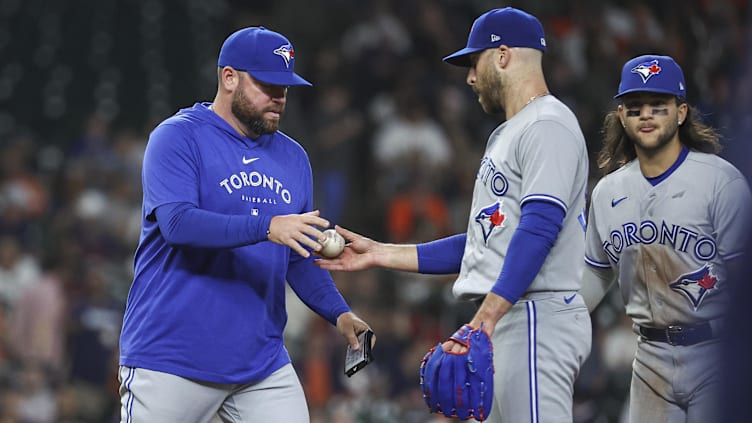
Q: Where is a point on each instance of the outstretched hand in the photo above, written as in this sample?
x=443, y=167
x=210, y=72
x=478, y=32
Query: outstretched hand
x=359, y=253
x=298, y=231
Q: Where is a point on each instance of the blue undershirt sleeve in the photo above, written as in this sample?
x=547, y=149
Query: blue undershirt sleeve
x=185, y=224
x=315, y=287
x=540, y=224
x=442, y=256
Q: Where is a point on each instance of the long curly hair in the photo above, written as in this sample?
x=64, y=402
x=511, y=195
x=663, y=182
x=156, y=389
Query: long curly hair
x=619, y=150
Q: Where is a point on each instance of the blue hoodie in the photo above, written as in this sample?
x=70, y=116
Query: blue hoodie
x=208, y=313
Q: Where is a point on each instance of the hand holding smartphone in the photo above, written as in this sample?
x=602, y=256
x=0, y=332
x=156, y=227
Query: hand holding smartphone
x=356, y=360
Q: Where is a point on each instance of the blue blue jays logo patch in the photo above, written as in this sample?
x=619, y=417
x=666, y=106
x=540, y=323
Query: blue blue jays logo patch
x=489, y=218
x=647, y=69
x=286, y=52
x=695, y=285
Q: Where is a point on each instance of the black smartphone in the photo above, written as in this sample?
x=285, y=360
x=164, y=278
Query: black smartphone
x=356, y=360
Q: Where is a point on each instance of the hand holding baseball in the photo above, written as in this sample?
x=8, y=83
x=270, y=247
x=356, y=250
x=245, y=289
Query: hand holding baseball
x=332, y=244
x=297, y=231
x=359, y=253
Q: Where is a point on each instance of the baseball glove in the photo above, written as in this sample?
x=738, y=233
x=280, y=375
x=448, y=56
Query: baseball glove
x=460, y=385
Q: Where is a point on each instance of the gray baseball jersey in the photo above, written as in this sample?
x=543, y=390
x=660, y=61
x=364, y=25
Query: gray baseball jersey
x=669, y=243
x=540, y=344
x=668, y=246
x=539, y=154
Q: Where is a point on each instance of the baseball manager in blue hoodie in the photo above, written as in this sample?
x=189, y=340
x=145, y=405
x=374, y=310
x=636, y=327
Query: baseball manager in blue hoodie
x=227, y=220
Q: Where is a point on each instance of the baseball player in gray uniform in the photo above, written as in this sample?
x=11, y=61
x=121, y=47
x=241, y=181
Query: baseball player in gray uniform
x=666, y=223
x=519, y=259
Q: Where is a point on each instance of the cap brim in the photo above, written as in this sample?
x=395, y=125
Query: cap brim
x=279, y=78
x=461, y=57
x=648, y=90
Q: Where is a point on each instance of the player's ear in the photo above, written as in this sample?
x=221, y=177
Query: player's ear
x=229, y=78
x=620, y=113
x=504, y=55
x=682, y=112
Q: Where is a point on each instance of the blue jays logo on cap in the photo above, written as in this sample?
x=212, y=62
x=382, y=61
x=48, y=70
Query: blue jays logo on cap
x=286, y=52
x=695, y=285
x=647, y=69
x=257, y=50
x=489, y=218
x=651, y=73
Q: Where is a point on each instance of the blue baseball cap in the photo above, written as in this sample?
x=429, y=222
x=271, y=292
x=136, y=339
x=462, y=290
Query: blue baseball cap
x=651, y=73
x=267, y=55
x=509, y=26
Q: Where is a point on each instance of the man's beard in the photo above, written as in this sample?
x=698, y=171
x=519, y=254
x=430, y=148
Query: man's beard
x=490, y=92
x=249, y=115
x=663, y=139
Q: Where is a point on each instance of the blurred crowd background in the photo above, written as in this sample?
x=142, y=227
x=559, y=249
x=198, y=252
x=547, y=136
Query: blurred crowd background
x=395, y=138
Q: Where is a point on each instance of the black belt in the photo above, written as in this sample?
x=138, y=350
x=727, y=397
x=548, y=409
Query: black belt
x=679, y=334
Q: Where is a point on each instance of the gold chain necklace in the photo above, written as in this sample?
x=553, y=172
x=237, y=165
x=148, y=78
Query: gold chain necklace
x=537, y=96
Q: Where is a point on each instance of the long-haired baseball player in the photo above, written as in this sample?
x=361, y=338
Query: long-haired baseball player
x=519, y=257
x=227, y=219
x=667, y=223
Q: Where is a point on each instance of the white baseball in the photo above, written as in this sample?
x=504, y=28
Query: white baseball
x=332, y=245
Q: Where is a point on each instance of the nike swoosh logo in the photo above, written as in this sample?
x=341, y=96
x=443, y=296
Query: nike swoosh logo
x=615, y=202
x=569, y=299
x=249, y=161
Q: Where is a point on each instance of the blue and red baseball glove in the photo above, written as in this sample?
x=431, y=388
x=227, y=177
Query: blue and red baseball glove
x=460, y=385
